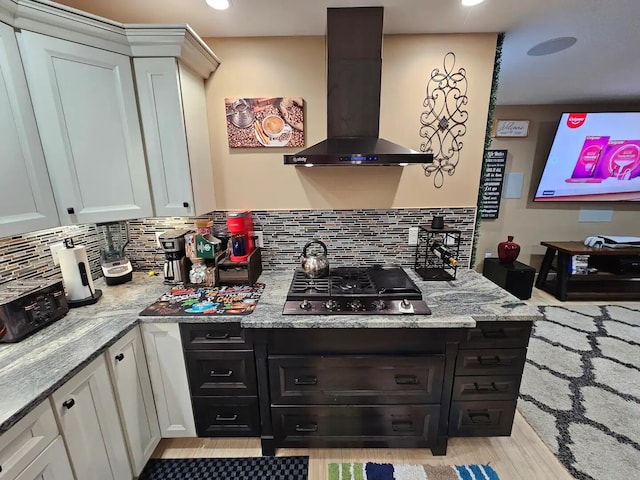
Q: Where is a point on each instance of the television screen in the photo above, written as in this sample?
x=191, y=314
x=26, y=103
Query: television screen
x=594, y=157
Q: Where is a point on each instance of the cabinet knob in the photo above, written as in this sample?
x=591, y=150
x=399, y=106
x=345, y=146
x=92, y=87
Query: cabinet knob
x=68, y=404
x=71, y=211
x=120, y=357
x=185, y=204
x=222, y=336
x=225, y=374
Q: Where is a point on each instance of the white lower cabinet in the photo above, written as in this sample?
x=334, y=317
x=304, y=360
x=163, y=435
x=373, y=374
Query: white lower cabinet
x=52, y=464
x=128, y=367
x=86, y=411
x=26, y=440
x=169, y=379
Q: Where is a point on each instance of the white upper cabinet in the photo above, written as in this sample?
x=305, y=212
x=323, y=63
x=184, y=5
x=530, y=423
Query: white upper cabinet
x=85, y=106
x=174, y=120
x=26, y=198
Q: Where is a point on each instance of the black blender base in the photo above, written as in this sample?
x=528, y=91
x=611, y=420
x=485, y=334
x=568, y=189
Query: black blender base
x=86, y=301
x=119, y=280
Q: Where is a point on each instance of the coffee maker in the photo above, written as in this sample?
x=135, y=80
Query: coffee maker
x=175, y=261
x=240, y=227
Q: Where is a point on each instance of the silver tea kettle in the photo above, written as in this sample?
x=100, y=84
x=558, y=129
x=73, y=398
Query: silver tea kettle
x=315, y=265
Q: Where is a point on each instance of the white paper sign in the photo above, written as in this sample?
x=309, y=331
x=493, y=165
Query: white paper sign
x=511, y=128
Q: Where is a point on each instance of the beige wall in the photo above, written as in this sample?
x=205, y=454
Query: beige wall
x=530, y=222
x=295, y=66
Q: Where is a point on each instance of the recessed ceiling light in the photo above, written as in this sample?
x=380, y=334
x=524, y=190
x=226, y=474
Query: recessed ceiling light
x=218, y=4
x=471, y=3
x=554, y=45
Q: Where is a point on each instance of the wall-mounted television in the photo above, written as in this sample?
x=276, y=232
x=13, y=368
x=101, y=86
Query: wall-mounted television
x=594, y=157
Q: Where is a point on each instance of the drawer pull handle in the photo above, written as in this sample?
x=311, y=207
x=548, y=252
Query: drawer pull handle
x=406, y=426
x=406, y=380
x=306, y=381
x=68, y=404
x=310, y=427
x=479, y=417
x=486, y=388
x=494, y=333
x=489, y=361
x=120, y=357
x=222, y=336
x=220, y=418
x=225, y=374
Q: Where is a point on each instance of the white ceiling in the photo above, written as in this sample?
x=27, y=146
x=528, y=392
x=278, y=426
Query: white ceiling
x=603, y=65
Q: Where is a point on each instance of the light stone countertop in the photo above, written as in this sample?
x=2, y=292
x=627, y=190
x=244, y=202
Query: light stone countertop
x=34, y=368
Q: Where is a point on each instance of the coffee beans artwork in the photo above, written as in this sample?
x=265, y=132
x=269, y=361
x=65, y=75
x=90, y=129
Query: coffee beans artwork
x=265, y=122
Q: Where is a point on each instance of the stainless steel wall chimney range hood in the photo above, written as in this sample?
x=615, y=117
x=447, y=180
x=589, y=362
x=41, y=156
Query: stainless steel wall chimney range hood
x=354, y=50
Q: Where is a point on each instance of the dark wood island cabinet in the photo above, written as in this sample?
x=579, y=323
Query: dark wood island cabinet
x=355, y=387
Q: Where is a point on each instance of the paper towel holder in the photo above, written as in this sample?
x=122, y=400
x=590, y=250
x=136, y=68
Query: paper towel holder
x=75, y=268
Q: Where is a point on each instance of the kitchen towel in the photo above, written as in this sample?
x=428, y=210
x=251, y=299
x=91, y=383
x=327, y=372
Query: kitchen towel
x=396, y=471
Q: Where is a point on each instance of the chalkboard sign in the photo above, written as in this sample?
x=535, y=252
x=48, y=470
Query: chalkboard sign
x=495, y=161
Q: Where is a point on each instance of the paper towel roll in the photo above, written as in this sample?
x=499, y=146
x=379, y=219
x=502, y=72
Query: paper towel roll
x=70, y=258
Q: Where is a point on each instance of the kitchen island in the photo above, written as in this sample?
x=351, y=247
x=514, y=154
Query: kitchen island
x=468, y=313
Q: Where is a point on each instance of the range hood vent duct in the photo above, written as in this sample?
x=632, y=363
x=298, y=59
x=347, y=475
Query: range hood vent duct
x=354, y=50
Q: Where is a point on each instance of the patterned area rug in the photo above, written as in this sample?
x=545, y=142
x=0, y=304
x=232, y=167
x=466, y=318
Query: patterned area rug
x=396, y=471
x=259, y=468
x=581, y=388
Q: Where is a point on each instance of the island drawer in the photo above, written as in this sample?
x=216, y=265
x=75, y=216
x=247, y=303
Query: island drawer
x=489, y=387
x=342, y=424
x=481, y=418
x=497, y=335
x=221, y=373
x=370, y=379
x=226, y=417
x=218, y=336
x=509, y=361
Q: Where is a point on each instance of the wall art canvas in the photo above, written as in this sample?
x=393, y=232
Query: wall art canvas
x=265, y=122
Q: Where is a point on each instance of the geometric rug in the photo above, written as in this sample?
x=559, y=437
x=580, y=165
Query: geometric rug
x=580, y=389
x=259, y=468
x=396, y=471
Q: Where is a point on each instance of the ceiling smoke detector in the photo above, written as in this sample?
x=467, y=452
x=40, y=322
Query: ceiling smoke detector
x=218, y=4
x=552, y=46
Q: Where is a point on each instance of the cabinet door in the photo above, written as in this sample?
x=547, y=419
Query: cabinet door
x=164, y=135
x=52, y=464
x=26, y=198
x=85, y=106
x=169, y=379
x=134, y=398
x=26, y=440
x=88, y=417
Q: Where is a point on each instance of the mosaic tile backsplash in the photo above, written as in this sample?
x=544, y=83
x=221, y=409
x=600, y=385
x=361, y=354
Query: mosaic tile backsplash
x=353, y=237
x=29, y=255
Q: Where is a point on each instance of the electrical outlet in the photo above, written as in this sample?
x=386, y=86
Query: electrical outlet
x=258, y=235
x=488, y=254
x=158, y=244
x=413, y=235
x=55, y=247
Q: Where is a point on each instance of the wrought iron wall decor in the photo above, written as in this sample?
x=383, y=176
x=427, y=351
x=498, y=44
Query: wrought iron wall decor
x=444, y=120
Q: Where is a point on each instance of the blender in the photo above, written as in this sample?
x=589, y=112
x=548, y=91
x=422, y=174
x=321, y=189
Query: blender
x=116, y=267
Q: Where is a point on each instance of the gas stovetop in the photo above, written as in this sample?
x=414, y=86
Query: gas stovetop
x=355, y=290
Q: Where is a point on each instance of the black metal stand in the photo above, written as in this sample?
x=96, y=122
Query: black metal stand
x=427, y=264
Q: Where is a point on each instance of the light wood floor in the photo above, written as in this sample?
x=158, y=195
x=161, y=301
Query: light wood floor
x=522, y=456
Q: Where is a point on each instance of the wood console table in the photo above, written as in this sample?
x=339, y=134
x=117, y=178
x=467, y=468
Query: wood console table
x=596, y=286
